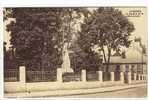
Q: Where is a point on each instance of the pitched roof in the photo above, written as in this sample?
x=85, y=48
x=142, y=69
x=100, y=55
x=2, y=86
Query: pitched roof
x=132, y=56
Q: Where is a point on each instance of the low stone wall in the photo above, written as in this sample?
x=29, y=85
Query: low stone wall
x=138, y=81
x=14, y=87
x=23, y=86
x=11, y=87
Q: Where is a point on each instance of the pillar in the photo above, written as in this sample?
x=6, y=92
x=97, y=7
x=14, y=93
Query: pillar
x=139, y=78
x=59, y=75
x=122, y=68
x=135, y=76
x=140, y=75
x=121, y=76
x=100, y=76
x=83, y=75
x=22, y=74
x=129, y=68
x=129, y=77
x=143, y=77
x=112, y=76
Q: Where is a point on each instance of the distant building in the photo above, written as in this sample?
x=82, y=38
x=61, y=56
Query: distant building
x=134, y=60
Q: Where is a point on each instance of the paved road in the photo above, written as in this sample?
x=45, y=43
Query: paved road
x=130, y=93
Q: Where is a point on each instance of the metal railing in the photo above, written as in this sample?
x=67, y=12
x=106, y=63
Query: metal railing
x=11, y=75
x=106, y=76
x=40, y=76
x=91, y=76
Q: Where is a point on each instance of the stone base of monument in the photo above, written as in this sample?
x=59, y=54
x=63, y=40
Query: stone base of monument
x=68, y=75
x=71, y=76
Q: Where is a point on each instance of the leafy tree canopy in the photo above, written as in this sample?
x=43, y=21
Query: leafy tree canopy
x=107, y=28
x=38, y=34
x=34, y=35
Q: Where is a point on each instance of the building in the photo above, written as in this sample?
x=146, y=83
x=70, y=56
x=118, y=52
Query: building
x=134, y=61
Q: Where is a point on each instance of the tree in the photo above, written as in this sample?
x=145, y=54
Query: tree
x=4, y=48
x=35, y=36
x=143, y=51
x=108, y=29
x=70, y=18
x=39, y=34
x=79, y=58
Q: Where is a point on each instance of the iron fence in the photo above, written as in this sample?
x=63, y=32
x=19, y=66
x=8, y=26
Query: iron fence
x=106, y=76
x=91, y=76
x=40, y=76
x=11, y=75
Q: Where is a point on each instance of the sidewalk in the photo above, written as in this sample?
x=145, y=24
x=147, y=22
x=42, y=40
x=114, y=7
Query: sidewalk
x=55, y=93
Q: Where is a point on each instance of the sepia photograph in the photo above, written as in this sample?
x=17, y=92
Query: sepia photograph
x=75, y=52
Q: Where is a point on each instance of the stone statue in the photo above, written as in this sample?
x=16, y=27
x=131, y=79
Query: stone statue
x=66, y=59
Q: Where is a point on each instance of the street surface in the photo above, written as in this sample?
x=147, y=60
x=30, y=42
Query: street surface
x=139, y=92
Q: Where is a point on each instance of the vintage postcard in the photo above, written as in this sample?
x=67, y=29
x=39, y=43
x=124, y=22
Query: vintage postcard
x=84, y=52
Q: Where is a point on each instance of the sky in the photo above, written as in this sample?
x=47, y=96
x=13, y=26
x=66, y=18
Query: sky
x=139, y=22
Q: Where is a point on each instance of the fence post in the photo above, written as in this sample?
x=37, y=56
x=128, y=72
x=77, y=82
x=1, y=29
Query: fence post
x=112, y=76
x=22, y=74
x=83, y=75
x=129, y=77
x=142, y=77
x=59, y=75
x=146, y=77
x=135, y=76
x=138, y=77
x=100, y=76
x=122, y=77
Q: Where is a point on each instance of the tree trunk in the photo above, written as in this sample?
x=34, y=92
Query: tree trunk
x=104, y=56
x=108, y=60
